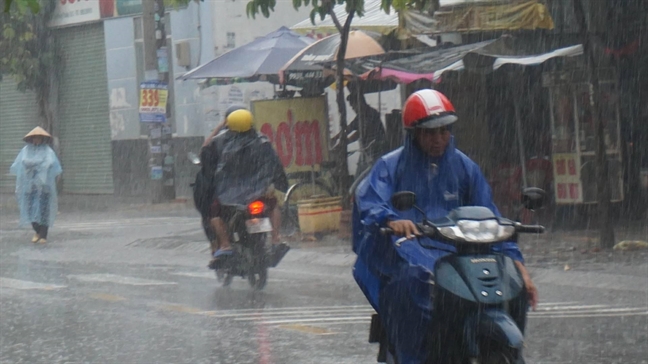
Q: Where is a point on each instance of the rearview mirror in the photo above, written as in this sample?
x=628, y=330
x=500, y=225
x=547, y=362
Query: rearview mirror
x=193, y=158
x=533, y=198
x=404, y=200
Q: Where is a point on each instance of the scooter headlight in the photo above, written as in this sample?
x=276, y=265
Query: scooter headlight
x=472, y=231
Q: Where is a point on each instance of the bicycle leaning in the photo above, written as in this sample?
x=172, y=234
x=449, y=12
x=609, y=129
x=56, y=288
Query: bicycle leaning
x=313, y=185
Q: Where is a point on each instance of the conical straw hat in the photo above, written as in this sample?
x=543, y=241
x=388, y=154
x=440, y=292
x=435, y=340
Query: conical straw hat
x=37, y=131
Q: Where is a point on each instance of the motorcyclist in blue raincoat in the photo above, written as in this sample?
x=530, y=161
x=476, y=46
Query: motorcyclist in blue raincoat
x=396, y=279
x=36, y=168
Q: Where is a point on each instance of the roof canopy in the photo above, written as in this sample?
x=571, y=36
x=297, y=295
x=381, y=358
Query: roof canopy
x=452, y=16
x=486, y=56
x=374, y=19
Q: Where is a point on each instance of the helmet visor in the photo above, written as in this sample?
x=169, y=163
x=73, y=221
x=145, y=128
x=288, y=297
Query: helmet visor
x=437, y=121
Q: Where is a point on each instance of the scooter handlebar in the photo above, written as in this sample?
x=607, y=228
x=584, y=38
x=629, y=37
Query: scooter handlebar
x=425, y=230
x=523, y=229
x=530, y=229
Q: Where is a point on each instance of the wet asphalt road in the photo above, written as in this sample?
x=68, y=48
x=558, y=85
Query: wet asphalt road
x=107, y=289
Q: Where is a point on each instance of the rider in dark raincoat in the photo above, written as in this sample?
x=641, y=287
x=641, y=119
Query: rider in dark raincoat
x=202, y=188
x=396, y=279
x=243, y=167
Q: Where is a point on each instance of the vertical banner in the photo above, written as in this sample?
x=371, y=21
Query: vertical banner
x=153, y=102
x=567, y=178
x=297, y=128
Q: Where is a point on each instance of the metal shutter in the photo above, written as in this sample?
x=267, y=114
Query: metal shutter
x=84, y=120
x=18, y=115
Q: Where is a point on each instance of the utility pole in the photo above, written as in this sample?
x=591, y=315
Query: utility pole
x=606, y=229
x=154, y=105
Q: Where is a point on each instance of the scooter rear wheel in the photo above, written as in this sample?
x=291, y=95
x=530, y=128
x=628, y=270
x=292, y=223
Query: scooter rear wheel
x=228, y=279
x=259, y=279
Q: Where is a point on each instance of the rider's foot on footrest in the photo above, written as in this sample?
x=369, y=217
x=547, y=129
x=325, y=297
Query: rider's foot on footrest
x=278, y=252
x=220, y=256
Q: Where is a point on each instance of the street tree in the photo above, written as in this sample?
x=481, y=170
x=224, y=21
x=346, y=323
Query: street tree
x=322, y=9
x=27, y=50
x=593, y=63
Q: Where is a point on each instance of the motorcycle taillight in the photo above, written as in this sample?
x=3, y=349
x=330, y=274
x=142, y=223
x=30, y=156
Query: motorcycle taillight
x=256, y=207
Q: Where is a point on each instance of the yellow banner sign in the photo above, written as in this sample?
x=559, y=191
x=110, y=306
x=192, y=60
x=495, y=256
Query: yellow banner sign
x=298, y=129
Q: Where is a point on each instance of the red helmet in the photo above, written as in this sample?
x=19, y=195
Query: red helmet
x=428, y=109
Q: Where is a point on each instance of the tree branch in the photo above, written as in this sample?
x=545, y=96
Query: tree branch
x=331, y=13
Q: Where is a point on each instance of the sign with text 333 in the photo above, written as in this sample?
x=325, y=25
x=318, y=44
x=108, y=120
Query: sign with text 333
x=153, y=101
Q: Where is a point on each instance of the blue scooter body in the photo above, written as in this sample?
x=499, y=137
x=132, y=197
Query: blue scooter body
x=487, y=292
x=479, y=303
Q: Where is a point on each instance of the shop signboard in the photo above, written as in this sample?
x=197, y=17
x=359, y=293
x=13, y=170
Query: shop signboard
x=71, y=12
x=153, y=101
x=298, y=130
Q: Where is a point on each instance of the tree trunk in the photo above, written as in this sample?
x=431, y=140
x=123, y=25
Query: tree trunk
x=606, y=229
x=341, y=155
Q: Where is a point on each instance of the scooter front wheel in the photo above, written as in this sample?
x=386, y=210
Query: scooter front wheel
x=497, y=355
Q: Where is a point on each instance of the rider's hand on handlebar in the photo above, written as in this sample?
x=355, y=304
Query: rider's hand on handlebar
x=404, y=228
x=532, y=291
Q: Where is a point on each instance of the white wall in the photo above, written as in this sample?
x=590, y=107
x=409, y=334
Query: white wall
x=230, y=16
x=191, y=25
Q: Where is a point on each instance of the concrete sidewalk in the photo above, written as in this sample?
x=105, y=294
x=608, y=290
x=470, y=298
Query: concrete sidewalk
x=108, y=205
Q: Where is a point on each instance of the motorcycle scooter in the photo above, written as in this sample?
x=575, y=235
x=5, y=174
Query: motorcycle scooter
x=479, y=296
x=248, y=226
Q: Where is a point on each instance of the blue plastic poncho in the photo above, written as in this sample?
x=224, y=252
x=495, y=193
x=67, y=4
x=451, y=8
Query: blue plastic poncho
x=36, y=168
x=394, y=279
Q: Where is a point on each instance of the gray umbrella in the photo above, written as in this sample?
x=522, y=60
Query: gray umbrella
x=263, y=56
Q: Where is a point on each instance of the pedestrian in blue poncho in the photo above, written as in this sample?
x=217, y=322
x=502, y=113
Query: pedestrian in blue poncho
x=36, y=168
x=397, y=279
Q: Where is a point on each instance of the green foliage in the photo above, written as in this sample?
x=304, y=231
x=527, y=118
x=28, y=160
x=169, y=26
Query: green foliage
x=22, y=5
x=25, y=42
x=178, y=4
x=27, y=50
x=320, y=8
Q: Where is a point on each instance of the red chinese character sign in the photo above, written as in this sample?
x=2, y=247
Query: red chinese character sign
x=567, y=179
x=297, y=128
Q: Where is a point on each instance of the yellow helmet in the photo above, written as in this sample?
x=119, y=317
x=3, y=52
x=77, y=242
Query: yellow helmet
x=240, y=121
